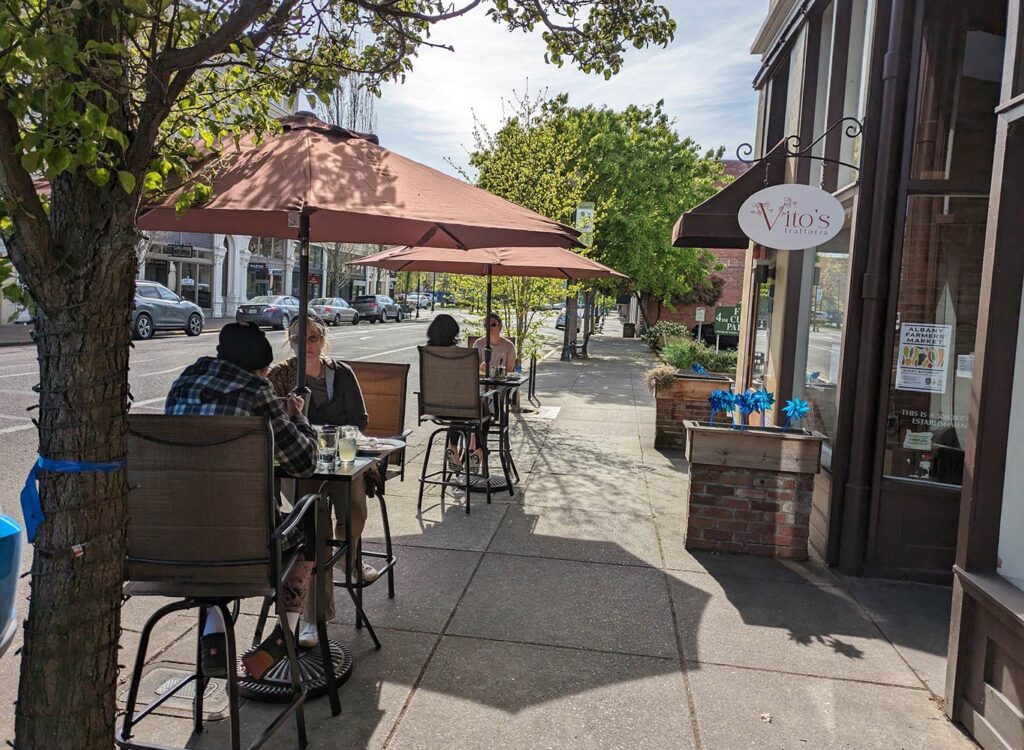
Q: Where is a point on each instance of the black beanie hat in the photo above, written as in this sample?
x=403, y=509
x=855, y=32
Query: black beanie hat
x=245, y=345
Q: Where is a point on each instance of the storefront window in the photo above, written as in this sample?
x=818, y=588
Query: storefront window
x=855, y=97
x=1011, y=520
x=960, y=72
x=764, y=280
x=824, y=298
x=821, y=92
x=933, y=348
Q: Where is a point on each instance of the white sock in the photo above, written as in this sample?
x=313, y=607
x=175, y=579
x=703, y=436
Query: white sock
x=214, y=621
x=293, y=620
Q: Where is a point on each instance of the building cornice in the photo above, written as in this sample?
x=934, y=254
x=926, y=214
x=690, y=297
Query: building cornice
x=773, y=25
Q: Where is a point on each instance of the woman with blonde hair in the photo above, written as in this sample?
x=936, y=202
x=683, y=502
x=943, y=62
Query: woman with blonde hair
x=335, y=399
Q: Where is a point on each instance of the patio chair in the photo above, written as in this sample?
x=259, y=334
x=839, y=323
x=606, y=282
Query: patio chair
x=204, y=528
x=384, y=386
x=450, y=397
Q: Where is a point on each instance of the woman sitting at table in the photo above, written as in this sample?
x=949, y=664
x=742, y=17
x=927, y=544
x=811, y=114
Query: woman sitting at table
x=503, y=351
x=335, y=399
x=444, y=331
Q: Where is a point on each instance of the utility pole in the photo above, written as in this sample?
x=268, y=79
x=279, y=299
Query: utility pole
x=433, y=290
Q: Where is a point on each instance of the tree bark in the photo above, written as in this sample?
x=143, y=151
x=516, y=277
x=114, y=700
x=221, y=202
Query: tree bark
x=69, y=663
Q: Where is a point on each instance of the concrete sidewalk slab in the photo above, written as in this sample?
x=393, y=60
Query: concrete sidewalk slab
x=482, y=694
x=742, y=709
x=586, y=536
x=789, y=627
x=611, y=608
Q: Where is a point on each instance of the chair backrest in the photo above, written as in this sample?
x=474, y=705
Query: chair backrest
x=449, y=382
x=202, y=507
x=384, y=386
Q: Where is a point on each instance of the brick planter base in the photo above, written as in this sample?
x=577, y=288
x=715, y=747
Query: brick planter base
x=685, y=399
x=750, y=491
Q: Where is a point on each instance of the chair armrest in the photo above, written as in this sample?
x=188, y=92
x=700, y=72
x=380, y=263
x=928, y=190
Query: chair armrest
x=405, y=434
x=490, y=394
x=298, y=513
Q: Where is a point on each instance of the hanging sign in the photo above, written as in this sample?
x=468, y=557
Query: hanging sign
x=585, y=221
x=791, y=217
x=922, y=359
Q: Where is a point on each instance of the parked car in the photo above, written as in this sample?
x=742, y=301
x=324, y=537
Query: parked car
x=560, y=323
x=10, y=570
x=269, y=310
x=334, y=311
x=157, y=308
x=24, y=317
x=377, y=307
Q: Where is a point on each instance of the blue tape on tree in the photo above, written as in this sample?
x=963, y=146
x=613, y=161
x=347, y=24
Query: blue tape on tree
x=32, y=506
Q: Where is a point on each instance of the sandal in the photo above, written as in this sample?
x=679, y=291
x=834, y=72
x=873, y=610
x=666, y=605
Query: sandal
x=451, y=458
x=268, y=654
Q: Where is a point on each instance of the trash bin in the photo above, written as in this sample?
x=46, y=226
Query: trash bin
x=629, y=330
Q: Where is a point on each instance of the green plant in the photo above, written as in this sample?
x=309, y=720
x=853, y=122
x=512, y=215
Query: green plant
x=660, y=376
x=683, y=353
x=658, y=335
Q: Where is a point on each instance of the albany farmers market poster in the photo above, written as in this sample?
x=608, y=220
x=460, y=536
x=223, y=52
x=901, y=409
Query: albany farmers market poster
x=923, y=357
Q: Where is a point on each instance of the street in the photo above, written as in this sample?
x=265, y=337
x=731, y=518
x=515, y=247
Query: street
x=154, y=364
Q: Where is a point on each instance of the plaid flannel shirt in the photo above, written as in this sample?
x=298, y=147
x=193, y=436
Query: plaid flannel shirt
x=216, y=387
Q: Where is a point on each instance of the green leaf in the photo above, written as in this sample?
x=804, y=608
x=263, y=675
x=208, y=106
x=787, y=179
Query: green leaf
x=30, y=161
x=59, y=159
x=99, y=176
x=153, y=181
x=35, y=47
x=127, y=180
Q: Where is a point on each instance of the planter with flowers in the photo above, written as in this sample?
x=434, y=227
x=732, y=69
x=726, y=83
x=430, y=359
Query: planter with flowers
x=750, y=487
x=682, y=385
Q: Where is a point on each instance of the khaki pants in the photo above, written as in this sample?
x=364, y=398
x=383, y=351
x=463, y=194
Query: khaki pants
x=340, y=495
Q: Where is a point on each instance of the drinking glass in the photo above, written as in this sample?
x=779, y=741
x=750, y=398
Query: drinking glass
x=347, y=445
x=328, y=453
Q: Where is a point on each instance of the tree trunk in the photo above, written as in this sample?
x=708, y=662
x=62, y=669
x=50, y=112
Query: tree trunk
x=69, y=668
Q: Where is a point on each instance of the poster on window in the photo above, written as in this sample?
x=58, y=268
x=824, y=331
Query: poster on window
x=923, y=360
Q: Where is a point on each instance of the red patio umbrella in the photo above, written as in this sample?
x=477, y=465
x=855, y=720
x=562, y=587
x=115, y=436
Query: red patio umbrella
x=546, y=262
x=322, y=183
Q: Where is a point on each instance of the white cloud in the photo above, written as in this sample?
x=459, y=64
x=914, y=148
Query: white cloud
x=704, y=76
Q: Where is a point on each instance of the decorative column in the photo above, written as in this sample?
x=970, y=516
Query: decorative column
x=238, y=264
x=142, y=251
x=289, y=266
x=217, y=298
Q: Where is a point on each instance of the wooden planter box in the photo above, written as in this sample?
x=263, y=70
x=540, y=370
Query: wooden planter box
x=685, y=399
x=750, y=490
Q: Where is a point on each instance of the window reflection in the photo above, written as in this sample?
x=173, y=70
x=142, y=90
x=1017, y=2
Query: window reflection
x=826, y=304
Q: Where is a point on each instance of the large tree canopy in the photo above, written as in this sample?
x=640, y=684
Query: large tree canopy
x=643, y=175
x=107, y=99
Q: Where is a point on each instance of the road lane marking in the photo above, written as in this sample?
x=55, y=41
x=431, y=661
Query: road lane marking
x=16, y=419
x=19, y=428
x=20, y=374
x=366, y=338
x=149, y=401
x=381, y=354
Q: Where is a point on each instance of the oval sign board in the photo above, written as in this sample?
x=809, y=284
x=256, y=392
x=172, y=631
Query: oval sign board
x=791, y=217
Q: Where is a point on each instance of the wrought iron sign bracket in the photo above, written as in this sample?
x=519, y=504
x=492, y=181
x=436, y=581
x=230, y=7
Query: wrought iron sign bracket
x=792, y=147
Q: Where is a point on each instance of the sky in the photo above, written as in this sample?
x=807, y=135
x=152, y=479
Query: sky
x=704, y=76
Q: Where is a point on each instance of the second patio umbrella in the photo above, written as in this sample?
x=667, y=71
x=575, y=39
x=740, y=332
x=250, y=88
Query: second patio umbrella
x=322, y=183
x=545, y=262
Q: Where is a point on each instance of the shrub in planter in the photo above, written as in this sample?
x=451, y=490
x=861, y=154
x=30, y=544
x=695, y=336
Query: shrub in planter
x=658, y=335
x=680, y=396
x=684, y=353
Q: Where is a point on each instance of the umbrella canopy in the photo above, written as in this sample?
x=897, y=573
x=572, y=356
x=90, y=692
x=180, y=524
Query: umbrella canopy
x=548, y=262
x=352, y=190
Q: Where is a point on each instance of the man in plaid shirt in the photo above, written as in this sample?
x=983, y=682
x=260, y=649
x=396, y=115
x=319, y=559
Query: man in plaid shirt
x=233, y=384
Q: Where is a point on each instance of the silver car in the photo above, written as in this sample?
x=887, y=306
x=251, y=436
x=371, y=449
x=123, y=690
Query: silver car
x=378, y=307
x=157, y=308
x=275, y=310
x=334, y=311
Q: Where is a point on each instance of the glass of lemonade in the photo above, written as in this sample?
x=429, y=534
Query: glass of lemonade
x=328, y=453
x=347, y=445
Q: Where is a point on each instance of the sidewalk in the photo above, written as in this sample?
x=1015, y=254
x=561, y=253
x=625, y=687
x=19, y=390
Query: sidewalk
x=572, y=616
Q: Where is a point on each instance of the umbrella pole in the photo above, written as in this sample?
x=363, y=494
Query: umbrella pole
x=487, y=328
x=300, y=350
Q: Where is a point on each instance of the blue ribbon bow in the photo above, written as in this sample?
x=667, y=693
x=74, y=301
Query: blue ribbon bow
x=32, y=506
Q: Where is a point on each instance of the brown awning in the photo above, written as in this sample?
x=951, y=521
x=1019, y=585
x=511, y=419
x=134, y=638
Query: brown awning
x=714, y=222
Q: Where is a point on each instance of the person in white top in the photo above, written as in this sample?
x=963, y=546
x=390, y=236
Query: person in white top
x=503, y=351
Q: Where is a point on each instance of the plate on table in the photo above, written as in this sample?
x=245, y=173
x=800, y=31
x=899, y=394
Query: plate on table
x=376, y=444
